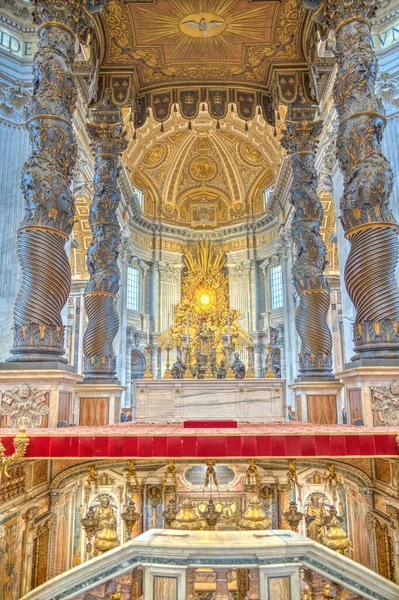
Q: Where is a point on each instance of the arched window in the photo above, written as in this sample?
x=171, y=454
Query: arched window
x=267, y=194
x=276, y=287
x=139, y=196
x=133, y=289
x=138, y=364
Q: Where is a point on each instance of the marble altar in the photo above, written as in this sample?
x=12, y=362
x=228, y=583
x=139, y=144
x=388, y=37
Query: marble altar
x=255, y=400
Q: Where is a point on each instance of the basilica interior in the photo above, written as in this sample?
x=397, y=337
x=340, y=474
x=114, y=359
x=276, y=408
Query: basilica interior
x=199, y=304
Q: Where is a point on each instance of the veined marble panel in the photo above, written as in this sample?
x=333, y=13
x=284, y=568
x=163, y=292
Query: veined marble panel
x=256, y=400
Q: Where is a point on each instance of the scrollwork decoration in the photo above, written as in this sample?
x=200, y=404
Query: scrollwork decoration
x=24, y=406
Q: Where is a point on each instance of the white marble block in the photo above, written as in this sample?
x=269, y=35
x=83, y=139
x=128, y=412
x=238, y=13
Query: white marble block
x=256, y=400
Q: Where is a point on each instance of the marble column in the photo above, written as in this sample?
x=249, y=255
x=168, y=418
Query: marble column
x=258, y=367
x=222, y=592
x=154, y=351
x=253, y=584
x=300, y=139
x=14, y=149
x=128, y=369
x=366, y=214
x=108, y=141
x=46, y=184
x=288, y=357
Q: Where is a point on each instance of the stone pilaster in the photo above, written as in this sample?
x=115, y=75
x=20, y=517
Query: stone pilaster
x=46, y=182
x=108, y=141
x=154, y=350
x=300, y=139
x=368, y=179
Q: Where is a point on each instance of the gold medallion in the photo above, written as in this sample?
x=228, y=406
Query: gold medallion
x=250, y=153
x=203, y=168
x=154, y=155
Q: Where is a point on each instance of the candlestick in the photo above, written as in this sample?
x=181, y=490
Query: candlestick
x=249, y=328
x=187, y=373
x=187, y=327
x=168, y=328
x=269, y=333
x=148, y=330
x=269, y=373
x=148, y=374
x=168, y=373
x=250, y=372
x=228, y=328
x=229, y=372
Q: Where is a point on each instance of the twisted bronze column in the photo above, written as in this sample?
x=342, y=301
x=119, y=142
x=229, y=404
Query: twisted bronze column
x=300, y=139
x=108, y=142
x=366, y=215
x=46, y=180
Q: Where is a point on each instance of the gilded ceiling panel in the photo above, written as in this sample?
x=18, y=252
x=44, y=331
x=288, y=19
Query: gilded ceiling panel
x=203, y=40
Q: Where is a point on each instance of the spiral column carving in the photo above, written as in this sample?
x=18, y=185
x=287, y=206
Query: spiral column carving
x=46, y=180
x=108, y=142
x=368, y=179
x=300, y=139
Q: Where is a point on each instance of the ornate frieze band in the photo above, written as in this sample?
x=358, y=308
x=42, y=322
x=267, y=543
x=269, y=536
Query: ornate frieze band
x=368, y=179
x=46, y=182
x=300, y=138
x=108, y=142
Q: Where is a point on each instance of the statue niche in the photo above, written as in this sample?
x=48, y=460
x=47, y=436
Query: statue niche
x=106, y=536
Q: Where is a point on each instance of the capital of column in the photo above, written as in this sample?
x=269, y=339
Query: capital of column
x=108, y=142
x=337, y=13
x=70, y=16
x=301, y=136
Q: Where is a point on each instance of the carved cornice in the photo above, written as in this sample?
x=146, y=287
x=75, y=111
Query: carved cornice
x=129, y=255
x=387, y=88
x=240, y=272
x=284, y=244
x=16, y=8
x=169, y=272
x=13, y=101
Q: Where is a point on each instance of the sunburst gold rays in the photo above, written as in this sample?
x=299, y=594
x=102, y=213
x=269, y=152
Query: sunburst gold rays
x=245, y=24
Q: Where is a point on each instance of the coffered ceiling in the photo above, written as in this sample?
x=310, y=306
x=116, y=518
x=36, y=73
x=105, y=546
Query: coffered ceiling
x=206, y=176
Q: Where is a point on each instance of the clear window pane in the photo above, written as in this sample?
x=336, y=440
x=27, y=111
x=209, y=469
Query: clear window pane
x=276, y=283
x=133, y=288
x=268, y=193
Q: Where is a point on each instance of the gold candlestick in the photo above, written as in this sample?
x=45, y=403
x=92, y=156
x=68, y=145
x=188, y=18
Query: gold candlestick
x=187, y=373
x=293, y=516
x=208, y=371
x=148, y=374
x=269, y=373
x=168, y=373
x=250, y=372
x=229, y=373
